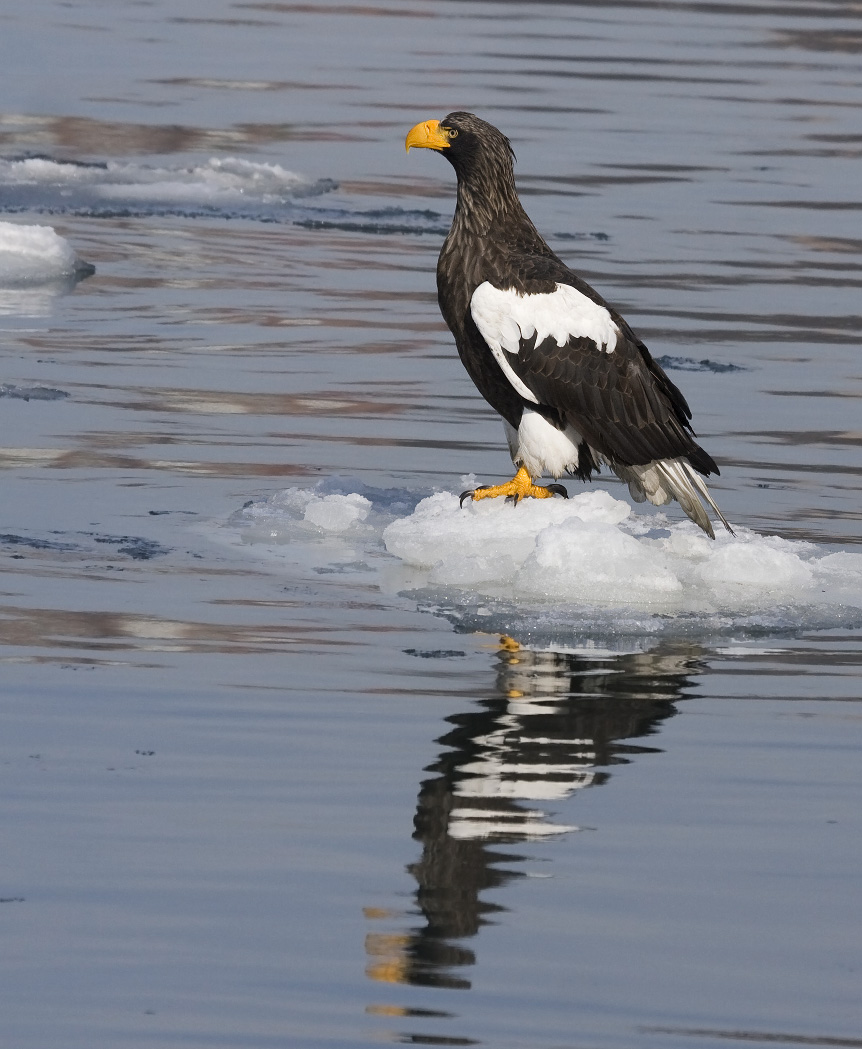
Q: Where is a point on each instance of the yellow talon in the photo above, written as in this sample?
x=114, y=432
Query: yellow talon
x=521, y=486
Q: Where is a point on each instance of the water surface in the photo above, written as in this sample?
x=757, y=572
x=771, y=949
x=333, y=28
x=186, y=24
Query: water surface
x=263, y=785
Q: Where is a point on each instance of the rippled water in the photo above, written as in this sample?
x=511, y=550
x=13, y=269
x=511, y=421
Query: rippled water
x=265, y=782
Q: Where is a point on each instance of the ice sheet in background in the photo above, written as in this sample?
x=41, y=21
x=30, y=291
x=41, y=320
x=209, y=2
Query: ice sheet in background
x=559, y=570
x=225, y=180
x=224, y=187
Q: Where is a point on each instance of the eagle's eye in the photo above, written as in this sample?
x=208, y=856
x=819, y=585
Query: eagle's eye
x=452, y=132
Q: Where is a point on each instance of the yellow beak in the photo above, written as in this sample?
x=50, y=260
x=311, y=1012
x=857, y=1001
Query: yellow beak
x=427, y=135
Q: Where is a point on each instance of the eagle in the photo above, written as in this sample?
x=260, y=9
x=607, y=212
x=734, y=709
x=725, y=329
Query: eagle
x=576, y=388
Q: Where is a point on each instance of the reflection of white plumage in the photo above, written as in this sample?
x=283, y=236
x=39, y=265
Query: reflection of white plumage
x=563, y=717
x=497, y=775
x=574, y=385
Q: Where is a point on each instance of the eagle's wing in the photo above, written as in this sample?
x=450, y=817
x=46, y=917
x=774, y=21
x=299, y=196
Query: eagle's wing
x=566, y=350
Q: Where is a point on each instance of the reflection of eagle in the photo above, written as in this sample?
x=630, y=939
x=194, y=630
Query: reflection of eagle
x=575, y=386
x=556, y=721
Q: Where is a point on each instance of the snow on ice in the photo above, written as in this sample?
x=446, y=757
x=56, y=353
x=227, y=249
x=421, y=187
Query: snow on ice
x=559, y=567
x=36, y=254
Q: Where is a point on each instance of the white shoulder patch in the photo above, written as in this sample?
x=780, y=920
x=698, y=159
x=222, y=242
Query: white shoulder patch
x=505, y=317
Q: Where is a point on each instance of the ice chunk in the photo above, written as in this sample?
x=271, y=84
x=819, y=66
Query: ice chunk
x=482, y=536
x=336, y=513
x=225, y=177
x=594, y=561
x=759, y=564
x=36, y=254
x=229, y=186
x=229, y=178
x=557, y=549
x=586, y=567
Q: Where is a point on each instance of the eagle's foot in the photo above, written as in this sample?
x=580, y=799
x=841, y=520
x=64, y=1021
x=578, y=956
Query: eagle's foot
x=520, y=487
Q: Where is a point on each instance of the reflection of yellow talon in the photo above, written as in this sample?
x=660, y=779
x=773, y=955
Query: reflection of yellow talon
x=389, y=959
x=520, y=487
x=377, y=912
x=387, y=1010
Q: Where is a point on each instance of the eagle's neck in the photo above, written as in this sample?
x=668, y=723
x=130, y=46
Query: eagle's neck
x=489, y=228
x=490, y=235
x=487, y=199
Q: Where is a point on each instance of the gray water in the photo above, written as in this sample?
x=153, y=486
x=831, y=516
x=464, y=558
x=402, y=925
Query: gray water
x=259, y=795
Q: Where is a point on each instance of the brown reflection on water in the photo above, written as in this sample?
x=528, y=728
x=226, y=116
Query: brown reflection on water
x=60, y=459
x=836, y=40
x=220, y=402
x=555, y=724
x=364, y=10
x=761, y=1037
x=85, y=135
x=225, y=83
x=53, y=628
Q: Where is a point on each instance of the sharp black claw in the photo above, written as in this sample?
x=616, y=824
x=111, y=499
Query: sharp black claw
x=513, y=499
x=558, y=489
x=471, y=492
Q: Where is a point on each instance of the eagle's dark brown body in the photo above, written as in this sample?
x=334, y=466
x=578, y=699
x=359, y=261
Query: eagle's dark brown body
x=573, y=383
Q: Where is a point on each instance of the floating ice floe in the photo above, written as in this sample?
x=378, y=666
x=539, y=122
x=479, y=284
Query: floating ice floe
x=559, y=567
x=227, y=187
x=36, y=266
x=36, y=255
x=217, y=178
x=224, y=187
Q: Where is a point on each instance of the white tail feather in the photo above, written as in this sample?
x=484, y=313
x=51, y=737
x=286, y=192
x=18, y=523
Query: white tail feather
x=704, y=492
x=666, y=479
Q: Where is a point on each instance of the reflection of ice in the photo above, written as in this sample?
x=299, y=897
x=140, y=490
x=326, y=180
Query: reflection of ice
x=34, y=301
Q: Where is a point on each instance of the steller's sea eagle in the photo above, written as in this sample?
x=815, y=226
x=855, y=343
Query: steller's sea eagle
x=575, y=386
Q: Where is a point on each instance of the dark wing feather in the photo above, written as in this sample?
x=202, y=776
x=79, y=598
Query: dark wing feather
x=622, y=402
x=614, y=400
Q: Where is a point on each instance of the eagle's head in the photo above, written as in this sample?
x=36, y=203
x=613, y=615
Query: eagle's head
x=470, y=144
